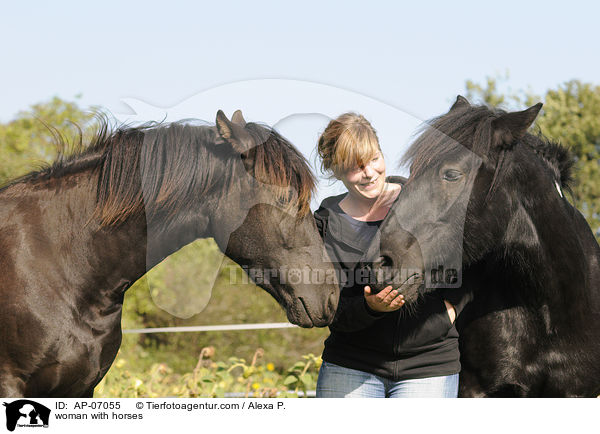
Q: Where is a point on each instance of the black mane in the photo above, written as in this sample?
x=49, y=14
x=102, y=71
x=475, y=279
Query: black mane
x=556, y=156
x=177, y=161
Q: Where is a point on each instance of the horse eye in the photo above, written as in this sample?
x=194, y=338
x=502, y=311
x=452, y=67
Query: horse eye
x=452, y=175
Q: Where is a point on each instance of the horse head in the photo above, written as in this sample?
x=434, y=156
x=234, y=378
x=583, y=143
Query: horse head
x=477, y=189
x=265, y=224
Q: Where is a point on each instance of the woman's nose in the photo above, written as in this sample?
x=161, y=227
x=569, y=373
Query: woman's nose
x=369, y=171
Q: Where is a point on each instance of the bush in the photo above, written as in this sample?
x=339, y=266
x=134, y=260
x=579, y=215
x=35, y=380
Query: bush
x=199, y=278
x=210, y=378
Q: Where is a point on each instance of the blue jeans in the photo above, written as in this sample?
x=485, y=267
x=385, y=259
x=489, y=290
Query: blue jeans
x=338, y=382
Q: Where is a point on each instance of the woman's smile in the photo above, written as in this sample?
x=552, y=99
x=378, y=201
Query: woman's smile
x=369, y=185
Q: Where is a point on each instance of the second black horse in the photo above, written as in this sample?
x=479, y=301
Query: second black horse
x=484, y=203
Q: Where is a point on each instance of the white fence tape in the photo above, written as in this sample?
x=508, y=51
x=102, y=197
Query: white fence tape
x=213, y=328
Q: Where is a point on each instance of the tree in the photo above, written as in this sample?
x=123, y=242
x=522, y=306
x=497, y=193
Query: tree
x=570, y=116
x=497, y=93
x=35, y=135
x=488, y=94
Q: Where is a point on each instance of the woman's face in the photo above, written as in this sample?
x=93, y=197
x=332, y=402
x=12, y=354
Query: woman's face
x=366, y=182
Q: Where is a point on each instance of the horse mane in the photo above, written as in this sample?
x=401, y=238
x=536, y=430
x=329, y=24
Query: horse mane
x=556, y=156
x=158, y=168
x=277, y=162
x=471, y=127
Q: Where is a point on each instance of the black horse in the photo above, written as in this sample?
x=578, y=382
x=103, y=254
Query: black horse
x=487, y=197
x=77, y=234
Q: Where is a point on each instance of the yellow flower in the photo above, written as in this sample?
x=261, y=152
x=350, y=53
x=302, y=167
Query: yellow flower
x=270, y=366
x=255, y=386
x=120, y=363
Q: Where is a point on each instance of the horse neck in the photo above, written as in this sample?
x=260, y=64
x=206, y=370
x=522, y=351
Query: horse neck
x=100, y=258
x=546, y=271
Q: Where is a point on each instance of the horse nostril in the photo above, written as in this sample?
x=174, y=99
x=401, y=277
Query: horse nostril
x=384, y=261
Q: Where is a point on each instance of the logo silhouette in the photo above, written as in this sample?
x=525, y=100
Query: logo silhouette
x=27, y=413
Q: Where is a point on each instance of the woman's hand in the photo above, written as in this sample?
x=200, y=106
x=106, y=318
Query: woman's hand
x=387, y=300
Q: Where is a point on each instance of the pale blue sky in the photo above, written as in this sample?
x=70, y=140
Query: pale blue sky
x=415, y=57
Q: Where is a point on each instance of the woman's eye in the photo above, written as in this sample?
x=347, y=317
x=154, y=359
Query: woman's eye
x=452, y=175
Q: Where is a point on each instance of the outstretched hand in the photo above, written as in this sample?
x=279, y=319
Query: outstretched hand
x=386, y=300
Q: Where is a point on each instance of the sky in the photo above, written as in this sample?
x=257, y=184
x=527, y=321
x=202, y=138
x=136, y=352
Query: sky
x=410, y=57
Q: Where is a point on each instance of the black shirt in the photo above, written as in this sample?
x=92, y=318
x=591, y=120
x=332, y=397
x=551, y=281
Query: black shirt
x=396, y=345
x=355, y=237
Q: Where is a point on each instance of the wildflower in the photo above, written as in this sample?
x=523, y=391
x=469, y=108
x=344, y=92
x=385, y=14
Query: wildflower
x=208, y=352
x=318, y=362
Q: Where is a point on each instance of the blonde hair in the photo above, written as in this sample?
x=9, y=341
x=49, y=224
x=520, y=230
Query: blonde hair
x=348, y=142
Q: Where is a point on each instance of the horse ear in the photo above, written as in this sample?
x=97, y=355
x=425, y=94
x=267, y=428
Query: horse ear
x=461, y=102
x=238, y=118
x=233, y=133
x=512, y=126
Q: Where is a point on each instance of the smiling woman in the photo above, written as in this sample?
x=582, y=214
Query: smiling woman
x=376, y=348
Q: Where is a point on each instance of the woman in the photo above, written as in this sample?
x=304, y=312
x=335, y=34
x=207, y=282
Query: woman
x=375, y=349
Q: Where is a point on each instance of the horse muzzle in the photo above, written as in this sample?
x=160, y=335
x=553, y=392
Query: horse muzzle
x=384, y=271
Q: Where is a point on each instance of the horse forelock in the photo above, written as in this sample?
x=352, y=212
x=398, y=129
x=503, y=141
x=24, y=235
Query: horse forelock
x=447, y=135
x=278, y=163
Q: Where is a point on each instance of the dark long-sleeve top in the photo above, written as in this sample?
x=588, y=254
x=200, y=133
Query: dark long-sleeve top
x=395, y=345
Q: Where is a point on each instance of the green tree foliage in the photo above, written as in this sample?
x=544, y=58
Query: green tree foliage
x=488, y=93
x=35, y=135
x=496, y=92
x=570, y=116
